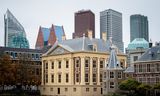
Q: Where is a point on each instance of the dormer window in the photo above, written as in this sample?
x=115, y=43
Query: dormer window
x=93, y=47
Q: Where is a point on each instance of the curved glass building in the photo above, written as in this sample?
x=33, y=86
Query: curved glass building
x=15, y=35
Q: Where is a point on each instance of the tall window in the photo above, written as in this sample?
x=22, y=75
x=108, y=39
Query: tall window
x=86, y=63
x=101, y=64
x=59, y=64
x=77, y=63
x=59, y=78
x=140, y=67
x=46, y=78
x=94, y=77
x=94, y=63
x=158, y=67
x=67, y=78
x=37, y=71
x=59, y=91
x=105, y=74
x=119, y=74
x=77, y=77
x=52, y=78
x=67, y=64
x=101, y=76
x=111, y=74
x=52, y=66
x=86, y=77
x=148, y=68
x=46, y=65
x=111, y=84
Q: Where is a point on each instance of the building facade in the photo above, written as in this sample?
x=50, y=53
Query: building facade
x=15, y=35
x=48, y=36
x=84, y=22
x=147, y=68
x=75, y=67
x=111, y=23
x=113, y=73
x=139, y=27
x=29, y=61
x=135, y=50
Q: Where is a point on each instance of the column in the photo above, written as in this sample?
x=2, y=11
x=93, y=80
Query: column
x=42, y=72
x=98, y=71
x=82, y=70
x=71, y=69
x=63, y=71
x=91, y=71
x=49, y=71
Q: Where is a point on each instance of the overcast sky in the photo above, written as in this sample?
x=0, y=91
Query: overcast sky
x=33, y=13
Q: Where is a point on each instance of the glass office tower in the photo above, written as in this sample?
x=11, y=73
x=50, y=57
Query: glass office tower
x=111, y=23
x=138, y=27
x=15, y=35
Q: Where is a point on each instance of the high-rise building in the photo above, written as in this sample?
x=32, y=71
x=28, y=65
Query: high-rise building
x=48, y=36
x=84, y=22
x=15, y=35
x=138, y=27
x=111, y=24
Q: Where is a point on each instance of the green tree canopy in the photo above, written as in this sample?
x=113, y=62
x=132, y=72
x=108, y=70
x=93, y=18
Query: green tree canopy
x=157, y=86
x=129, y=84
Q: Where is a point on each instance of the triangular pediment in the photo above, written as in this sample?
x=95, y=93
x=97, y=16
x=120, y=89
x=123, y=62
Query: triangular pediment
x=58, y=50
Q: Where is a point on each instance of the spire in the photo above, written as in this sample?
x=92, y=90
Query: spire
x=113, y=62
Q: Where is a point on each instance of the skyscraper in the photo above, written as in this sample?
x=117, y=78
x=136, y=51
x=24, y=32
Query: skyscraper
x=48, y=36
x=111, y=24
x=138, y=27
x=15, y=35
x=84, y=22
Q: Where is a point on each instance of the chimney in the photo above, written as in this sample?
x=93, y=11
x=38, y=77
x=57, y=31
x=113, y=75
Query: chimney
x=63, y=37
x=90, y=34
x=104, y=36
x=150, y=43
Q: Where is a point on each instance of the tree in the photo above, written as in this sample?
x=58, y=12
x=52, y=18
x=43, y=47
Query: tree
x=129, y=85
x=157, y=86
x=144, y=89
x=7, y=70
x=156, y=89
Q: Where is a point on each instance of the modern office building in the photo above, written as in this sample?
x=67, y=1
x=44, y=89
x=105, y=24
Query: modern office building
x=48, y=36
x=111, y=23
x=84, y=22
x=15, y=35
x=75, y=67
x=139, y=27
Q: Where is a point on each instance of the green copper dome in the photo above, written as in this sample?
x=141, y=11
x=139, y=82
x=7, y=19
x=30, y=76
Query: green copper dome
x=138, y=43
